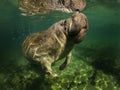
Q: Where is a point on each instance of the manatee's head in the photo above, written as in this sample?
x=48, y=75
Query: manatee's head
x=75, y=5
x=76, y=27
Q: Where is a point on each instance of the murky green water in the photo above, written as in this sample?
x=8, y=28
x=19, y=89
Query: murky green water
x=95, y=62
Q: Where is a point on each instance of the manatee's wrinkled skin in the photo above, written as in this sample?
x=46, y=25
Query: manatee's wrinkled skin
x=48, y=46
x=43, y=6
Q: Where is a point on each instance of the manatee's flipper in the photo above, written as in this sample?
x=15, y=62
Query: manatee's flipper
x=66, y=62
x=46, y=65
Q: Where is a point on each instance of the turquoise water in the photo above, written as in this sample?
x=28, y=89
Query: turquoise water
x=95, y=63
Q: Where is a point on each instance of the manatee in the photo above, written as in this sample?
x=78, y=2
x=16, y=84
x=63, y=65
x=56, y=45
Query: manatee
x=48, y=46
x=44, y=6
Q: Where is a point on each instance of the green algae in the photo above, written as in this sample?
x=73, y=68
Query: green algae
x=83, y=76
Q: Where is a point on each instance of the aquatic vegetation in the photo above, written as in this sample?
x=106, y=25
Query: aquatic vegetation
x=82, y=76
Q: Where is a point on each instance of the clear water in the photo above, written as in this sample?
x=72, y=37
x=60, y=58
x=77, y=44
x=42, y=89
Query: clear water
x=95, y=62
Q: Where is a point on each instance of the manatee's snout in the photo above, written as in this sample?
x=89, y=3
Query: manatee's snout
x=77, y=10
x=77, y=5
x=80, y=20
x=78, y=27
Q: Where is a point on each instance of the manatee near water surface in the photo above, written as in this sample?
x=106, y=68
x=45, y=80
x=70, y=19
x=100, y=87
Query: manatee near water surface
x=55, y=43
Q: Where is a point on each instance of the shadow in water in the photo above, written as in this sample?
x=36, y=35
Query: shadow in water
x=112, y=4
x=105, y=59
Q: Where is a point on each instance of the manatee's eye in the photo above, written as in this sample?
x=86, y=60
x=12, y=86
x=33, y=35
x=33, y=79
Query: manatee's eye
x=65, y=22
